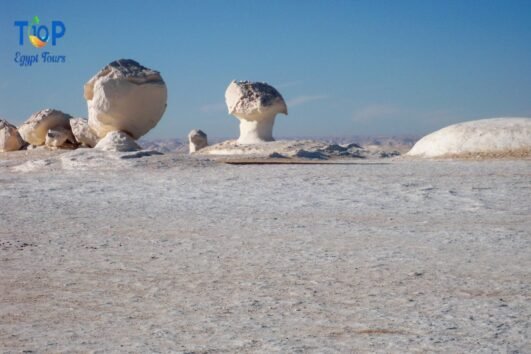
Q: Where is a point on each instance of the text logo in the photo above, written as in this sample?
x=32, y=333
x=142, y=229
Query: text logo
x=39, y=34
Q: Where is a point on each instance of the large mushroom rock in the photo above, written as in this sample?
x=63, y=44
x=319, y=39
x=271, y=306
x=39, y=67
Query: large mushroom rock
x=197, y=140
x=255, y=104
x=488, y=137
x=125, y=96
x=83, y=132
x=34, y=130
x=60, y=138
x=117, y=141
x=10, y=139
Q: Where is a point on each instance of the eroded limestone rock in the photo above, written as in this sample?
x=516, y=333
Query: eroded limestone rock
x=125, y=96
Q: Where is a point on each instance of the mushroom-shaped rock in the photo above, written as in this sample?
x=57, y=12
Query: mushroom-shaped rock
x=34, y=130
x=255, y=104
x=60, y=137
x=117, y=141
x=83, y=132
x=10, y=139
x=197, y=139
x=125, y=96
x=495, y=136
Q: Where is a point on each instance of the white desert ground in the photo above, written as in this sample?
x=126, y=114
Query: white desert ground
x=135, y=252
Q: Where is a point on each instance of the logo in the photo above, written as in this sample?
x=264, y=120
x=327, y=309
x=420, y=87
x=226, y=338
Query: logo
x=39, y=35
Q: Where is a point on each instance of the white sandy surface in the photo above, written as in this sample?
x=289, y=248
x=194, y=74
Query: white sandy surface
x=175, y=254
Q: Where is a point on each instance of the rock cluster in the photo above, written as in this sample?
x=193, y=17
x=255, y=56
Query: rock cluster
x=125, y=100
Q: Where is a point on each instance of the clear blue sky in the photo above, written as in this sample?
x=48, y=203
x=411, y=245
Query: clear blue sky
x=344, y=67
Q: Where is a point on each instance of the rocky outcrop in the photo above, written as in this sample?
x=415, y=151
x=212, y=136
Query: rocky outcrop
x=495, y=137
x=83, y=133
x=34, y=130
x=197, y=140
x=60, y=137
x=117, y=141
x=125, y=96
x=10, y=139
x=256, y=105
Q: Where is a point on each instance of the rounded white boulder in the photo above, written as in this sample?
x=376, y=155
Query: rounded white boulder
x=125, y=96
x=34, y=129
x=83, y=132
x=256, y=105
x=10, y=139
x=497, y=136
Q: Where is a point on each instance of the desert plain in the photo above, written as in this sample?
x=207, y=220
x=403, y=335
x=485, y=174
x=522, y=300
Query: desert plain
x=141, y=252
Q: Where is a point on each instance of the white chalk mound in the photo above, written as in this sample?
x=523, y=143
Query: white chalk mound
x=117, y=141
x=10, y=139
x=197, y=140
x=256, y=105
x=496, y=136
x=125, y=96
x=83, y=132
x=34, y=129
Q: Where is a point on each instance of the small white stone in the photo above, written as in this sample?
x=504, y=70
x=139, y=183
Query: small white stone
x=59, y=137
x=197, y=140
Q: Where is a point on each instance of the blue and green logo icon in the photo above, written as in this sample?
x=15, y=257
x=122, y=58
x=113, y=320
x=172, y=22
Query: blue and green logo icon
x=39, y=34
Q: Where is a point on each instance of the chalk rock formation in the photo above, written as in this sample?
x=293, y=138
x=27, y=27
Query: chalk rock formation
x=255, y=104
x=34, y=130
x=117, y=141
x=10, y=139
x=197, y=139
x=496, y=136
x=125, y=96
x=83, y=133
x=60, y=137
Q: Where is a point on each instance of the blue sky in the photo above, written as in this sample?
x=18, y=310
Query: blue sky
x=344, y=67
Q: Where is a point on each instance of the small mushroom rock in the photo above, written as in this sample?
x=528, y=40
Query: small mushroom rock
x=125, y=96
x=10, y=139
x=256, y=105
x=83, y=132
x=197, y=139
x=60, y=137
x=34, y=130
x=117, y=141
